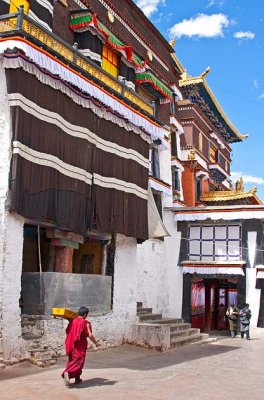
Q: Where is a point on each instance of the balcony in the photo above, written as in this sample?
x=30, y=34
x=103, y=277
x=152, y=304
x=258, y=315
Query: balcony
x=20, y=25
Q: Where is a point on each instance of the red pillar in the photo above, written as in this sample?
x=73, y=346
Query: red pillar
x=205, y=186
x=63, y=261
x=188, y=186
x=208, y=311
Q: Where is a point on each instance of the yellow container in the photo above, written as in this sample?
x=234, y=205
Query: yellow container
x=63, y=313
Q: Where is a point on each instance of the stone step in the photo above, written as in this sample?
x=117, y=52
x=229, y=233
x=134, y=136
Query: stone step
x=144, y=311
x=32, y=336
x=185, y=340
x=149, y=317
x=180, y=326
x=26, y=317
x=184, y=332
x=38, y=355
x=163, y=321
x=43, y=363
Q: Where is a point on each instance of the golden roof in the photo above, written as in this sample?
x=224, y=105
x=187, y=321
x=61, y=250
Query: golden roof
x=230, y=195
x=189, y=80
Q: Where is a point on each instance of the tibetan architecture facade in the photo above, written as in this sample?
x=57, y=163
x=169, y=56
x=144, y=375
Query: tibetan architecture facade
x=88, y=109
x=221, y=227
x=115, y=179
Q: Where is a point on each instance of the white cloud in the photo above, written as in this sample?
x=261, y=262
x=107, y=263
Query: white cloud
x=212, y=3
x=202, y=25
x=149, y=7
x=246, y=178
x=244, y=35
x=255, y=84
x=261, y=97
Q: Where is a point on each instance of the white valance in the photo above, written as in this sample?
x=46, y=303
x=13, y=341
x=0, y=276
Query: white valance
x=160, y=187
x=225, y=215
x=208, y=270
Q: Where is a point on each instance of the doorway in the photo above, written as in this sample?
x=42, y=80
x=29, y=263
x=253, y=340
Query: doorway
x=209, y=300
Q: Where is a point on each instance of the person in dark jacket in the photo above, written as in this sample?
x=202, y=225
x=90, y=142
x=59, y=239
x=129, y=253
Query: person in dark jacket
x=245, y=315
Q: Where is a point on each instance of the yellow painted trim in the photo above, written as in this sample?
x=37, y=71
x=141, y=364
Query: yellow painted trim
x=15, y=4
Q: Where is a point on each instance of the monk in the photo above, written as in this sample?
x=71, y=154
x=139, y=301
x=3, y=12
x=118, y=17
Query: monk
x=78, y=330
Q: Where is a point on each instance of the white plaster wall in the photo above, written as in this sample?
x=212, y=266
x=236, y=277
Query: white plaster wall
x=11, y=243
x=165, y=164
x=252, y=295
x=152, y=275
x=115, y=327
x=174, y=274
x=159, y=279
x=13, y=347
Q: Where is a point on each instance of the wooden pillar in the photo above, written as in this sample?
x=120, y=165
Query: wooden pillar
x=208, y=311
x=188, y=186
x=218, y=308
x=63, y=261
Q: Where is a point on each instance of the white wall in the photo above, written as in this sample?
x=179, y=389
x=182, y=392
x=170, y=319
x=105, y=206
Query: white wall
x=115, y=327
x=11, y=242
x=159, y=280
x=252, y=295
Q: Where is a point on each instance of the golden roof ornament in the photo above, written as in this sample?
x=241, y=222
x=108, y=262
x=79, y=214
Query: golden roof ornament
x=150, y=55
x=206, y=72
x=172, y=42
x=110, y=16
x=240, y=185
x=192, y=155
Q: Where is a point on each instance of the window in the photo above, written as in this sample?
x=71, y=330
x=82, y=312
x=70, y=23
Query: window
x=200, y=142
x=174, y=150
x=110, y=61
x=155, y=164
x=214, y=242
x=158, y=201
x=176, y=180
x=198, y=189
x=212, y=156
x=172, y=106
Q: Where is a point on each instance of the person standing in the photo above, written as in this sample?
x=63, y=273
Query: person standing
x=232, y=315
x=245, y=315
x=77, y=331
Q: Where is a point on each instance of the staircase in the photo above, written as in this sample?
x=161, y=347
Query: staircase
x=33, y=332
x=154, y=332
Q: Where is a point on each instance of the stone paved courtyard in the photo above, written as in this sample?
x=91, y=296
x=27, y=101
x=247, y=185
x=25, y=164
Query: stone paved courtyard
x=220, y=370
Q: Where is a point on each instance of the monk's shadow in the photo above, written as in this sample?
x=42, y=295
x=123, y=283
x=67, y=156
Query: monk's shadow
x=93, y=382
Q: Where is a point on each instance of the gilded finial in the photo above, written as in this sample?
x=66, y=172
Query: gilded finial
x=172, y=42
x=240, y=185
x=206, y=72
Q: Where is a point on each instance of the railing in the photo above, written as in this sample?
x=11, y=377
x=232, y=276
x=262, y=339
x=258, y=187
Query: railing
x=20, y=23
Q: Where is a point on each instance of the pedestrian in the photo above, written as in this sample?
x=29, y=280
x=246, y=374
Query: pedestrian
x=232, y=315
x=78, y=330
x=245, y=315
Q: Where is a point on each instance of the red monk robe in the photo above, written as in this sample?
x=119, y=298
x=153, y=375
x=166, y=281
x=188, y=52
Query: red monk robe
x=77, y=332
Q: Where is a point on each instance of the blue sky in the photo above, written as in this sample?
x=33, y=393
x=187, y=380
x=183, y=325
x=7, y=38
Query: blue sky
x=228, y=36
